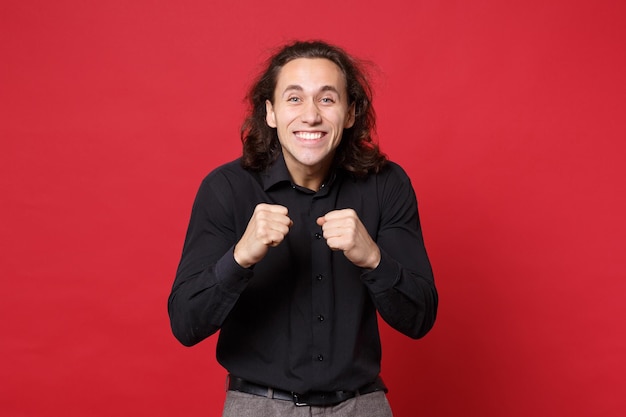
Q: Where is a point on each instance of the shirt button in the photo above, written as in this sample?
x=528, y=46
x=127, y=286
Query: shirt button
x=320, y=358
x=318, y=236
x=320, y=277
x=320, y=317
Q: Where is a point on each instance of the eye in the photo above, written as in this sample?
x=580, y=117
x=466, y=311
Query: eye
x=293, y=99
x=327, y=100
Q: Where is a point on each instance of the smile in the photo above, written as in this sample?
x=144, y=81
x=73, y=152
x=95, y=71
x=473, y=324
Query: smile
x=309, y=135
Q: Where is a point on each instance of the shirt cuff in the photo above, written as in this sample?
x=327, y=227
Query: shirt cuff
x=384, y=276
x=232, y=277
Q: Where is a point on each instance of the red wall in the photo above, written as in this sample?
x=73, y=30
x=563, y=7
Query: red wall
x=508, y=115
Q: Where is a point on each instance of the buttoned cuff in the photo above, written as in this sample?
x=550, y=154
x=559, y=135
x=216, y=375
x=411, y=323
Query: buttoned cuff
x=232, y=277
x=384, y=277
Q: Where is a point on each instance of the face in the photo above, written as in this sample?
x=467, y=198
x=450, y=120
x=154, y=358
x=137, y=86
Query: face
x=310, y=112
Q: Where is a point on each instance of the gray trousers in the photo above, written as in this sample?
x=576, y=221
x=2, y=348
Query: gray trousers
x=239, y=404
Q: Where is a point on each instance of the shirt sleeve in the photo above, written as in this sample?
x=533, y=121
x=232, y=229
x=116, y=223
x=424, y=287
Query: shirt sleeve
x=208, y=280
x=402, y=286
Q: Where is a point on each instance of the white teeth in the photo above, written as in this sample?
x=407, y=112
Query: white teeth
x=309, y=135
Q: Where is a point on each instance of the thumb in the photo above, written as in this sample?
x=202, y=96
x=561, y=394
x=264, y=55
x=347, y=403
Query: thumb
x=320, y=221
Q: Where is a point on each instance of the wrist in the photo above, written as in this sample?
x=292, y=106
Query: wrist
x=241, y=260
x=374, y=259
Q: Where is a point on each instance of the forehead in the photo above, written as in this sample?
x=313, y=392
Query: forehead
x=310, y=74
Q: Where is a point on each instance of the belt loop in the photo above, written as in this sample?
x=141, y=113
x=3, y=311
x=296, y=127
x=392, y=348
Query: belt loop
x=270, y=392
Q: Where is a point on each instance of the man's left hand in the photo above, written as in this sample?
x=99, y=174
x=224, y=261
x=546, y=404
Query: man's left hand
x=344, y=231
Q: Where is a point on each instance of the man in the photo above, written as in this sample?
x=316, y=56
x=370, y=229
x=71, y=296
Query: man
x=292, y=249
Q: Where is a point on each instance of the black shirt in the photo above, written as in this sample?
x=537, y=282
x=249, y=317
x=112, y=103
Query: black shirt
x=304, y=318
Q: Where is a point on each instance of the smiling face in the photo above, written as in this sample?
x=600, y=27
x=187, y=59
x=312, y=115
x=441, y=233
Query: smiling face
x=310, y=110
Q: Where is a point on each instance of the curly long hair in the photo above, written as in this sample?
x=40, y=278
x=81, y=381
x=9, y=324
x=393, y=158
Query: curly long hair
x=357, y=152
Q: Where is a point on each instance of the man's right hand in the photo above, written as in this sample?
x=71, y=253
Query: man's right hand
x=267, y=228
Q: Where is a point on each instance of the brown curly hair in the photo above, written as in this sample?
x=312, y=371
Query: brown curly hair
x=357, y=152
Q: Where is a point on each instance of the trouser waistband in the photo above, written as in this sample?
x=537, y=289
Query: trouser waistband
x=313, y=398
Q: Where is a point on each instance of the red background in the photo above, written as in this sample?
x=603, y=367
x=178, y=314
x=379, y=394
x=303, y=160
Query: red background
x=509, y=117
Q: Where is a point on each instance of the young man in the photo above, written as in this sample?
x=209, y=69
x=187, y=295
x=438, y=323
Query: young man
x=292, y=249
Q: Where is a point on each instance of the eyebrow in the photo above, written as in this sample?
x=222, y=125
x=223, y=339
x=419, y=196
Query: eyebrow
x=296, y=87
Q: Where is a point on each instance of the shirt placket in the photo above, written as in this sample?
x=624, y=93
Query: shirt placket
x=321, y=289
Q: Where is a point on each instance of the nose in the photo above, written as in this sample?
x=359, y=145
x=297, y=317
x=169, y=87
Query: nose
x=310, y=113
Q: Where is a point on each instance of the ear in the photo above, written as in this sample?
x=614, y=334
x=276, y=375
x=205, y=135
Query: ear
x=351, y=117
x=270, y=117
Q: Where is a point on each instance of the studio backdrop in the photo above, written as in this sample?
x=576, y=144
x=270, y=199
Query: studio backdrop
x=508, y=116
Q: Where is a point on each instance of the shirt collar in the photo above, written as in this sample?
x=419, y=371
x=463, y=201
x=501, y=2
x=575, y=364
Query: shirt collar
x=278, y=173
x=275, y=173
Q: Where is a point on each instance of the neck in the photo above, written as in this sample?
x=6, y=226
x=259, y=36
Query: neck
x=311, y=182
x=311, y=177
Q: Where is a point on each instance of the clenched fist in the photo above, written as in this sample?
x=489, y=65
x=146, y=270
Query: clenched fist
x=267, y=228
x=344, y=231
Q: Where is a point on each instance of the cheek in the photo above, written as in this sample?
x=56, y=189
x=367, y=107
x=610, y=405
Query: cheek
x=284, y=117
x=340, y=122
